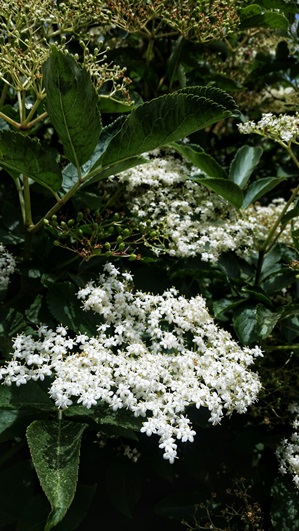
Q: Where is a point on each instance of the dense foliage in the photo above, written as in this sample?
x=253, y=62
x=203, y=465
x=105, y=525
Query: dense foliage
x=149, y=265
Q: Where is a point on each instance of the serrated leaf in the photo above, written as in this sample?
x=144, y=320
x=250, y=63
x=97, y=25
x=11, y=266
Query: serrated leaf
x=223, y=187
x=72, y=105
x=259, y=188
x=23, y=156
x=66, y=308
x=200, y=159
x=168, y=119
x=244, y=163
x=55, y=451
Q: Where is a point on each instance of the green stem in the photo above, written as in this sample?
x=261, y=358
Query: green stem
x=9, y=120
x=27, y=202
x=272, y=237
x=3, y=95
x=26, y=123
x=55, y=208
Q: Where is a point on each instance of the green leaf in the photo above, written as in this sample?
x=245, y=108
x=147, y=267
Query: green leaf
x=114, y=169
x=223, y=187
x=285, y=505
x=55, y=451
x=167, y=119
x=243, y=164
x=244, y=322
x=254, y=322
x=66, y=308
x=259, y=188
x=291, y=7
x=26, y=396
x=266, y=20
x=200, y=159
x=291, y=214
x=108, y=104
x=72, y=105
x=21, y=155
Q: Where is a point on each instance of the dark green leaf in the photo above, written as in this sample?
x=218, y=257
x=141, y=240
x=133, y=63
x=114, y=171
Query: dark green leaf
x=114, y=169
x=66, y=308
x=168, y=119
x=227, y=189
x=291, y=214
x=72, y=105
x=200, y=159
x=23, y=156
x=266, y=320
x=243, y=164
x=29, y=396
x=79, y=508
x=259, y=188
x=266, y=20
x=245, y=321
x=278, y=281
x=285, y=505
x=55, y=450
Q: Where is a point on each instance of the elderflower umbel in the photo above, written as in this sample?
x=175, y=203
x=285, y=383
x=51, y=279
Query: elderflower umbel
x=188, y=219
x=154, y=355
x=288, y=451
x=283, y=128
x=7, y=266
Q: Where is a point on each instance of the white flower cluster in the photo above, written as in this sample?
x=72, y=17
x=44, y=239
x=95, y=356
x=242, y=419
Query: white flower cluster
x=154, y=355
x=288, y=451
x=187, y=218
x=282, y=128
x=7, y=266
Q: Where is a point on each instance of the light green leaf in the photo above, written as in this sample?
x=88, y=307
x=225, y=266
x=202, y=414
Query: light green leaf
x=243, y=164
x=259, y=188
x=72, y=104
x=223, y=187
x=167, y=119
x=200, y=159
x=55, y=451
x=21, y=155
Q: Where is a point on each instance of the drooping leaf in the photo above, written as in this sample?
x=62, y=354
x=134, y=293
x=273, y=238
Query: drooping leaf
x=72, y=105
x=227, y=189
x=200, y=159
x=259, y=188
x=21, y=155
x=168, y=119
x=243, y=164
x=55, y=451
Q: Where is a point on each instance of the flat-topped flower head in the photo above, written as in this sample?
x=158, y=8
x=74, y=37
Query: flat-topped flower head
x=283, y=128
x=153, y=355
